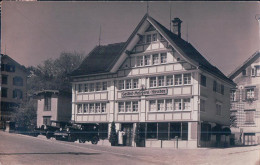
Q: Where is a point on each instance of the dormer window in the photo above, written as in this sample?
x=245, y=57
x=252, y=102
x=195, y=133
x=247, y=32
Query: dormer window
x=155, y=37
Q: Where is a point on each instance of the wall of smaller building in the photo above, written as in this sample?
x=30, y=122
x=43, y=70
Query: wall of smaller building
x=212, y=98
x=41, y=112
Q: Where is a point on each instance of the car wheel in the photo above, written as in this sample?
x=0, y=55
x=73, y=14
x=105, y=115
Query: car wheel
x=94, y=140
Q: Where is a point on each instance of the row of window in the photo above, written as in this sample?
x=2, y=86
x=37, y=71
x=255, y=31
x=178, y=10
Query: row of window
x=128, y=84
x=91, y=87
x=255, y=71
x=245, y=94
x=158, y=81
x=91, y=108
x=149, y=38
x=169, y=105
x=216, y=86
x=155, y=59
x=18, y=81
x=131, y=106
x=17, y=93
x=7, y=68
x=177, y=79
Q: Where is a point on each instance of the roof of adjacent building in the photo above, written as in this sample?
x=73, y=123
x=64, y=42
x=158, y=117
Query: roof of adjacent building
x=57, y=92
x=101, y=58
x=4, y=56
x=244, y=65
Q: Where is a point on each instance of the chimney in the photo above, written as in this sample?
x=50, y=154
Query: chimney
x=176, y=23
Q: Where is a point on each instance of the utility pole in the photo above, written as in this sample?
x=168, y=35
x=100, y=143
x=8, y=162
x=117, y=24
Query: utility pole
x=99, y=38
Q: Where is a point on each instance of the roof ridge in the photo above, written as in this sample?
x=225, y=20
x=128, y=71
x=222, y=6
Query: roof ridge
x=236, y=70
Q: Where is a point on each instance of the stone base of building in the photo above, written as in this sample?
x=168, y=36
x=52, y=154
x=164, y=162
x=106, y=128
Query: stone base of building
x=224, y=142
x=174, y=144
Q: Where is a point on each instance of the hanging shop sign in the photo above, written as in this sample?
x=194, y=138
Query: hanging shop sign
x=144, y=92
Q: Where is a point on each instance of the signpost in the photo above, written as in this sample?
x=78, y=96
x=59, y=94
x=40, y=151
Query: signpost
x=144, y=92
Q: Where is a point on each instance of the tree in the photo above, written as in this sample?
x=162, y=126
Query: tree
x=54, y=74
x=25, y=115
x=51, y=75
x=113, y=138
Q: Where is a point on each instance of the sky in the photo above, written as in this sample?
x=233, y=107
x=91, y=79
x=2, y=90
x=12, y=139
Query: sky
x=225, y=33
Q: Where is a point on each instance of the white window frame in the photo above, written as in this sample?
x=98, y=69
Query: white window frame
x=153, y=82
x=187, y=78
x=155, y=61
x=178, y=80
x=177, y=104
x=147, y=62
x=152, y=105
x=186, y=104
x=163, y=58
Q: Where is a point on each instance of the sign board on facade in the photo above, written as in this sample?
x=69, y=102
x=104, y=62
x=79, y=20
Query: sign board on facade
x=144, y=92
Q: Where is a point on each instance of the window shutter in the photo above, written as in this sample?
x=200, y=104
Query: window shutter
x=243, y=94
x=237, y=96
x=255, y=93
x=253, y=72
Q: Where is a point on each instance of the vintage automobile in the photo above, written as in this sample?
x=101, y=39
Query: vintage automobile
x=54, y=126
x=79, y=132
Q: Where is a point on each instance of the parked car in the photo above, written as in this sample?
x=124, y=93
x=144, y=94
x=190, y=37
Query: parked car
x=54, y=126
x=27, y=130
x=83, y=133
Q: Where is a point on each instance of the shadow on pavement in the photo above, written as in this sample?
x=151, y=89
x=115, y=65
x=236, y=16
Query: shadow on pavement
x=58, y=153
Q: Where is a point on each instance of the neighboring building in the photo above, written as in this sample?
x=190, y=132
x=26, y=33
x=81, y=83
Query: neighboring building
x=13, y=86
x=245, y=104
x=156, y=79
x=53, y=105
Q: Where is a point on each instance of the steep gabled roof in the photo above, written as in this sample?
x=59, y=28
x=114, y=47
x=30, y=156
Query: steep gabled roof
x=102, y=58
x=190, y=52
x=99, y=59
x=243, y=66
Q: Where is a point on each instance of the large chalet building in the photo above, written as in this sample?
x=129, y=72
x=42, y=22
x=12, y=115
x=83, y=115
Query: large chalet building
x=158, y=80
x=245, y=105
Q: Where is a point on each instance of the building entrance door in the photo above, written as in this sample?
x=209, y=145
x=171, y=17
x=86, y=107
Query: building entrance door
x=128, y=133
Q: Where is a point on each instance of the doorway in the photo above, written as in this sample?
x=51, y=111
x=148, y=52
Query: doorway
x=128, y=130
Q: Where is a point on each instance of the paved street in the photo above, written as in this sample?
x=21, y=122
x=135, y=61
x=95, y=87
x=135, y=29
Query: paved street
x=23, y=150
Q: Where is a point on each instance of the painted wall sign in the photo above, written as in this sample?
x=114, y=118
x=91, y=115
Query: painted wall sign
x=144, y=92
